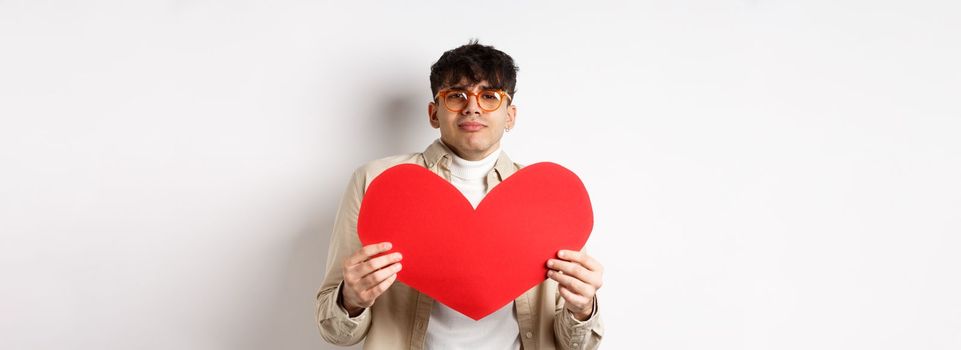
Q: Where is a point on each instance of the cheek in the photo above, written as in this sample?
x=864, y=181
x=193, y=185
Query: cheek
x=446, y=121
x=501, y=121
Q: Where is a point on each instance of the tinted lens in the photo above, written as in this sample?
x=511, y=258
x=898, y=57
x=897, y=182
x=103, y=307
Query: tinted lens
x=489, y=99
x=456, y=100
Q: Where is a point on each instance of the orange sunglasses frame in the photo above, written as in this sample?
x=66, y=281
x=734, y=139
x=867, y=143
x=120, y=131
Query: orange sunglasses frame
x=442, y=95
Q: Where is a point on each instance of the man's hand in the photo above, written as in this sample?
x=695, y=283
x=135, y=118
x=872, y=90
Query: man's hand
x=579, y=277
x=365, y=279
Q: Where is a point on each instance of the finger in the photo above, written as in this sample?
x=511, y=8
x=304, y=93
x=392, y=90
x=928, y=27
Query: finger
x=375, y=278
x=589, y=262
x=368, y=251
x=575, y=285
x=576, y=270
x=381, y=287
x=369, y=266
x=578, y=301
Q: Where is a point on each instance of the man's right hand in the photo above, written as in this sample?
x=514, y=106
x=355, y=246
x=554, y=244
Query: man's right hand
x=366, y=278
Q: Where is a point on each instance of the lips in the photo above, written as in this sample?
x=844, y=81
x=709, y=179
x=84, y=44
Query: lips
x=471, y=126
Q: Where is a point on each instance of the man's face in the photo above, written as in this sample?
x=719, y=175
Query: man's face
x=472, y=133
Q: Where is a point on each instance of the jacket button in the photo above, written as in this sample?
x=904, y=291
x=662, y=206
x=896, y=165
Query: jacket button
x=529, y=334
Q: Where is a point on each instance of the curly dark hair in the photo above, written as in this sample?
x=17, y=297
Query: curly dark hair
x=475, y=62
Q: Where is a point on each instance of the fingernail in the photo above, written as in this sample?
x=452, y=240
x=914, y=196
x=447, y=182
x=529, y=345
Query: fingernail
x=398, y=267
x=386, y=245
x=561, y=254
x=550, y=263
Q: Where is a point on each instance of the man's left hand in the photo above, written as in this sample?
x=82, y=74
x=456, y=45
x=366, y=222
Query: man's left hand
x=579, y=276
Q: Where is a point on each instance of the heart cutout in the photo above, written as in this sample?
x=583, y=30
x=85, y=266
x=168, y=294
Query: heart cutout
x=476, y=261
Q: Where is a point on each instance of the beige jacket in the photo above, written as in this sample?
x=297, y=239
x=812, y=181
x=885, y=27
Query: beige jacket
x=398, y=319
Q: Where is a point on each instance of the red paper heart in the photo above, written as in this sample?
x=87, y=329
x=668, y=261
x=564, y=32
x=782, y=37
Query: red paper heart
x=476, y=261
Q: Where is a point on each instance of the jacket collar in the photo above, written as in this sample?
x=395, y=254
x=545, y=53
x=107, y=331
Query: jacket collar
x=438, y=154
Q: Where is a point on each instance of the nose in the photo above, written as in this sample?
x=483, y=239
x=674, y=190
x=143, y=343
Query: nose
x=472, y=106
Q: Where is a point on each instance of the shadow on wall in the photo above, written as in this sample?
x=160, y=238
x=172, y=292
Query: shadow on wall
x=398, y=125
x=402, y=127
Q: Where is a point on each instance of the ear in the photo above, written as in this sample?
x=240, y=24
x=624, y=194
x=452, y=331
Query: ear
x=511, y=115
x=432, y=115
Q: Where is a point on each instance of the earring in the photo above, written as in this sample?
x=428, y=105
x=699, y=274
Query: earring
x=507, y=129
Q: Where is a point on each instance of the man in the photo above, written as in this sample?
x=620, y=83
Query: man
x=473, y=87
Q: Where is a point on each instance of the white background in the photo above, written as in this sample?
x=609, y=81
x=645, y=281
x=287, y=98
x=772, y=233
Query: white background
x=765, y=174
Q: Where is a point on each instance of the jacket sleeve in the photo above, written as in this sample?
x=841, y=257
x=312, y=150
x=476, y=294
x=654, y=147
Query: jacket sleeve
x=569, y=333
x=336, y=326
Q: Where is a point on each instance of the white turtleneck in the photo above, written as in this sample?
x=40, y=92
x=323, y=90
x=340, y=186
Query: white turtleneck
x=469, y=175
x=449, y=329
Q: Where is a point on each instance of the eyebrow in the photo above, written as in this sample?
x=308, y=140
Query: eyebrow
x=462, y=87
